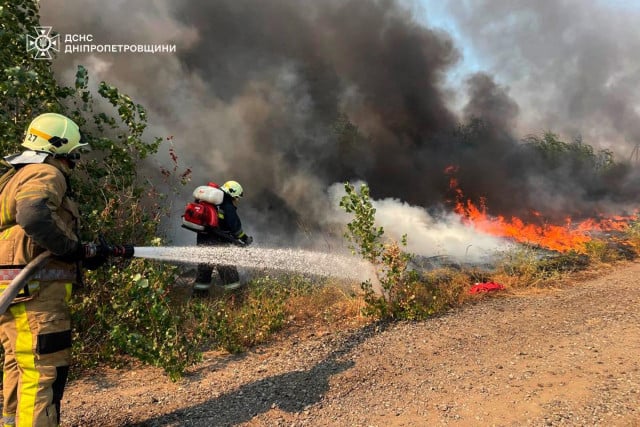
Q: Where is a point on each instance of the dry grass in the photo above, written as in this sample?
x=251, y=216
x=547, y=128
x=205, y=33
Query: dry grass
x=331, y=306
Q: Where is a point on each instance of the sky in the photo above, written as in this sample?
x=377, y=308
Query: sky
x=567, y=63
x=435, y=14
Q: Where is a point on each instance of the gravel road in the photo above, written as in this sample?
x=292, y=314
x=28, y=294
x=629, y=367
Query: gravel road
x=567, y=356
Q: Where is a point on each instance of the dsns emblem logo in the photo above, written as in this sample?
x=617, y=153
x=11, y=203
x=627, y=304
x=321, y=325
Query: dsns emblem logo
x=42, y=43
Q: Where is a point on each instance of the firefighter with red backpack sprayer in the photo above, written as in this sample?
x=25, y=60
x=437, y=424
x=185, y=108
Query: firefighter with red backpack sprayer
x=213, y=216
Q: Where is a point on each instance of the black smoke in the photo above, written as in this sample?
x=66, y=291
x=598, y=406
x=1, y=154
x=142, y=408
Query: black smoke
x=291, y=96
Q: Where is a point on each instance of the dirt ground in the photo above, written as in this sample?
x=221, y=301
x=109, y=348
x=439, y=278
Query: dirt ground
x=567, y=356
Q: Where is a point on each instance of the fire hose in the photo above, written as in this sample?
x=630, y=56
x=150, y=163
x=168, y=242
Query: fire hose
x=21, y=279
x=36, y=264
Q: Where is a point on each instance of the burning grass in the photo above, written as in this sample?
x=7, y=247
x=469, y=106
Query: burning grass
x=569, y=237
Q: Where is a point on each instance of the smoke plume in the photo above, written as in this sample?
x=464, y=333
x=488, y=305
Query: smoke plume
x=571, y=64
x=291, y=96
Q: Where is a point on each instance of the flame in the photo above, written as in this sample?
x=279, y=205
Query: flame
x=565, y=237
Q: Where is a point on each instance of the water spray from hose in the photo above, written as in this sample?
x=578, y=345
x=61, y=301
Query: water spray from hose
x=293, y=260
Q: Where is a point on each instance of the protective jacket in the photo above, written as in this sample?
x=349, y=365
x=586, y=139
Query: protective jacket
x=36, y=214
x=229, y=221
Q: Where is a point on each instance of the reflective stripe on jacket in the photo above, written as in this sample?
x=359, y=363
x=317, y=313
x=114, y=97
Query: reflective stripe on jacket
x=46, y=274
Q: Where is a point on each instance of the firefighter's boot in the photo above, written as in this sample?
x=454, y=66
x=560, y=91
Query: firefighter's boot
x=202, y=283
x=201, y=286
x=229, y=277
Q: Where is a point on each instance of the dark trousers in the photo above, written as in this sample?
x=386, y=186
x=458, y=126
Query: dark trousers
x=228, y=273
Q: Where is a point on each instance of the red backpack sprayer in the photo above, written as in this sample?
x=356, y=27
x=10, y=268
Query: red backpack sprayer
x=201, y=215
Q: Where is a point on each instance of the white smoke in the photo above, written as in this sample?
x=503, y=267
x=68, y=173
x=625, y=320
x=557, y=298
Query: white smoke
x=427, y=235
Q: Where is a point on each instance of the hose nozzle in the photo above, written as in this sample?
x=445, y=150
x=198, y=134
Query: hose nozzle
x=121, y=251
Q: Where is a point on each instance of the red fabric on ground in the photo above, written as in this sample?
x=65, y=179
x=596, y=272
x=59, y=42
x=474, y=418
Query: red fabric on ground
x=485, y=287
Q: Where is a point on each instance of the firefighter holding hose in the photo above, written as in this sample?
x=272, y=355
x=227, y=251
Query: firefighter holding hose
x=38, y=215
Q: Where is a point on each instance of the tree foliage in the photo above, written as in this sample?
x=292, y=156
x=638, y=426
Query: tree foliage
x=576, y=154
x=363, y=234
x=27, y=86
x=123, y=308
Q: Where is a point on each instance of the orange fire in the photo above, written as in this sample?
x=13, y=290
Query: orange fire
x=562, y=238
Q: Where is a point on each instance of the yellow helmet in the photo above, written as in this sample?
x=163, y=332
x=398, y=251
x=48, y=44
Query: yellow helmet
x=52, y=133
x=233, y=188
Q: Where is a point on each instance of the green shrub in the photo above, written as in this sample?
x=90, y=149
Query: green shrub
x=141, y=318
x=398, y=293
x=601, y=251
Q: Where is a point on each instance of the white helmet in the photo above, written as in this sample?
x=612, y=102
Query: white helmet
x=52, y=133
x=233, y=188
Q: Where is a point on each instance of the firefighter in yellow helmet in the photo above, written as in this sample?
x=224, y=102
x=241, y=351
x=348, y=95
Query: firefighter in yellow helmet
x=229, y=231
x=37, y=214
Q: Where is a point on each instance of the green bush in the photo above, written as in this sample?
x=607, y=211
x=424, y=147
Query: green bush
x=632, y=236
x=398, y=293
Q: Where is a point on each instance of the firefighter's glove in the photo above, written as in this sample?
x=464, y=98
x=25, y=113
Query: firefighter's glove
x=74, y=255
x=95, y=262
x=92, y=255
x=96, y=254
x=246, y=240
